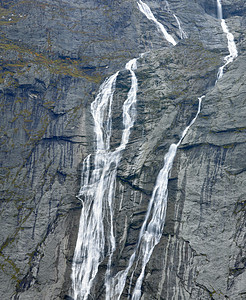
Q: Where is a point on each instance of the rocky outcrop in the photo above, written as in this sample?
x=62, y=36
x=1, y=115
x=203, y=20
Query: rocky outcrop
x=54, y=55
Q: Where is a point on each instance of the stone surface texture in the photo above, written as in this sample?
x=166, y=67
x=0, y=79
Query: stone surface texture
x=54, y=54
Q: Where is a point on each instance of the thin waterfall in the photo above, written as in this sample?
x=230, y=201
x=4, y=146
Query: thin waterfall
x=144, y=8
x=129, y=114
x=98, y=186
x=152, y=228
x=230, y=38
x=183, y=34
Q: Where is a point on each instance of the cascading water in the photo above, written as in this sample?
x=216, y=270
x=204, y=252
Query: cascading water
x=152, y=228
x=144, y=8
x=97, y=189
x=98, y=184
x=129, y=114
x=149, y=237
x=183, y=34
x=90, y=242
x=150, y=234
x=230, y=38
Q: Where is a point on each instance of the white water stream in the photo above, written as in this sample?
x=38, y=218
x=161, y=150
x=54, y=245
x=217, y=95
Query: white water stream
x=152, y=228
x=144, y=8
x=230, y=38
x=183, y=34
x=98, y=185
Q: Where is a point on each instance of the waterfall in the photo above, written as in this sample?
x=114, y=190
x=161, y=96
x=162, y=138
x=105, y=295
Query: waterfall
x=219, y=10
x=98, y=185
x=230, y=38
x=152, y=228
x=183, y=34
x=129, y=114
x=150, y=234
x=144, y=8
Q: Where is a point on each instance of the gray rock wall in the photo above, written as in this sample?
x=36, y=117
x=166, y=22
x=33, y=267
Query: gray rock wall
x=54, y=55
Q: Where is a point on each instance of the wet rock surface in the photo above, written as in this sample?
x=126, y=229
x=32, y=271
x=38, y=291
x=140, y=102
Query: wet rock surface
x=53, y=56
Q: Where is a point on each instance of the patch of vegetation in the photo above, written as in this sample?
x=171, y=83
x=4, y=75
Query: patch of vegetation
x=228, y=146
x=64, y=66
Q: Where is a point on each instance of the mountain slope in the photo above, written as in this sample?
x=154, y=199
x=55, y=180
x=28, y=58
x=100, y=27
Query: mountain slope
x=54, y=56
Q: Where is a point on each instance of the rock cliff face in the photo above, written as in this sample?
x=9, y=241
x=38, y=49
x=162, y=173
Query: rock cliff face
x=54, y=55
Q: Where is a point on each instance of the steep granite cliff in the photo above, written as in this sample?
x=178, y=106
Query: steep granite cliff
x=54, y=55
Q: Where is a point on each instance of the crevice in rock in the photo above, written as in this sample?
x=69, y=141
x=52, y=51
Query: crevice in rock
x=134, y=187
